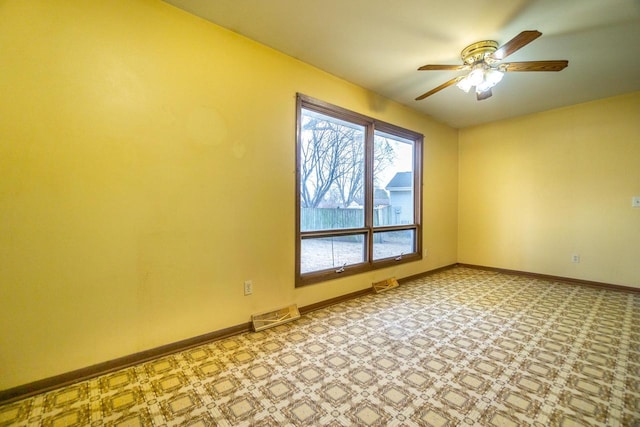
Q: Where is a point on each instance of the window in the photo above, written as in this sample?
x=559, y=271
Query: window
x=358, y=193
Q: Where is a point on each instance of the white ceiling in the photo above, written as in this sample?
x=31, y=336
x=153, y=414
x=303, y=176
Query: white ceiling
x=379, y=44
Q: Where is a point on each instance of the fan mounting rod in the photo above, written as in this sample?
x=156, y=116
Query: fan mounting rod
x=478, y=51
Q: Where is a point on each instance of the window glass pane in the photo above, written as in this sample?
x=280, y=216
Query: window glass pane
x=393, y=180
x=331, y=173
x=390, y=244
x=331, y=252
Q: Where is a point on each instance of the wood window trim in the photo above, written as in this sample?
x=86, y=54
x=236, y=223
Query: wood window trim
x=371, y=125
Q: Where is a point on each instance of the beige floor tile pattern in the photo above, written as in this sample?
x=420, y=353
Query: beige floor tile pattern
x=461, y=347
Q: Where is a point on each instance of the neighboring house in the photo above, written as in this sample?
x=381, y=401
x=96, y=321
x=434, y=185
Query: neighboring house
x=401, y=197
x=380, y=197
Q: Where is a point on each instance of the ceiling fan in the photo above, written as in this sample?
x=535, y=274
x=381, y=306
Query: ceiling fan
x=483, y=60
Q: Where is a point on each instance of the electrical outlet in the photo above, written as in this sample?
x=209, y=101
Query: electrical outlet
x=248, y=287
x=635, y=201
x=575, y=258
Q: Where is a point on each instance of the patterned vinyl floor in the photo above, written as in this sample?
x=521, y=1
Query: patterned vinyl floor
x=461, y=347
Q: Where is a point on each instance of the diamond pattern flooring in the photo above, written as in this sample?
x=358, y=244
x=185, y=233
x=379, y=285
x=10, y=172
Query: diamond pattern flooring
x=460, y=347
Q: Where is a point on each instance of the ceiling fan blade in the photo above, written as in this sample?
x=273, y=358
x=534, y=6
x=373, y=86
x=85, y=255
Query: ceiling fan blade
x=439, y=88
x=484, y=95
x=516, y=43
x=442, y=67
x=536, y=66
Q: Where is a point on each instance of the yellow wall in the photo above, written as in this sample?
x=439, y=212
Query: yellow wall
x=537, y=189
x=147, y=169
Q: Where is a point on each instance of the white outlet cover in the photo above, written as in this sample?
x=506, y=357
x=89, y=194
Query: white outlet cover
x=248, y=287
x=635, y=201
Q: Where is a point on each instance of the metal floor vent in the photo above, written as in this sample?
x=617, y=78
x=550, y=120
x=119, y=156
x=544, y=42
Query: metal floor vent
x=385, y=285
x=275, y=318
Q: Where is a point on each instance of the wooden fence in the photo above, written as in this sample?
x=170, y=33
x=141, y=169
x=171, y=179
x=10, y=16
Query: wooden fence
x=327, y=219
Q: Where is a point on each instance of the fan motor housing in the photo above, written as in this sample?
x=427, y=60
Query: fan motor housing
x=477, y=52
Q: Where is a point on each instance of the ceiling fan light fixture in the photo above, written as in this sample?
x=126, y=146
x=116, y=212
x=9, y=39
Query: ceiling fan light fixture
x=483, y=78
x=493, y=76
x=476, y=77
x=464, y=84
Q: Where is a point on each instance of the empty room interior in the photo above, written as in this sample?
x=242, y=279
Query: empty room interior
x=157, y=183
